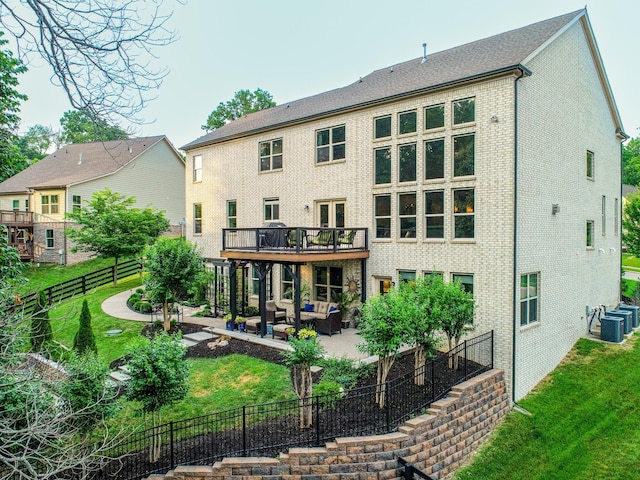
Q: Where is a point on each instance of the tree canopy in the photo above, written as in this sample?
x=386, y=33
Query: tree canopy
x=80, y=127
x=242, y=103
x=631, y=225
x=33, y=145
x=631, y=162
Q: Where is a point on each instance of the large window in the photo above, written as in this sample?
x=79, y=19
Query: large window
x=407, y=214
x=197, y=168
x=76, y=203
x=382, y=127
x=406, y=276
x=271, y=209
x=330, y=144
x=465, y=280
x=589, y=234
x=434, y=214
x=197, y=218
x=382, y=165
x=327, y=282
x=434, y=117
x=271, y=155
x=49, y=204
x=286, y=283
x=407, y=122
x=49, y=239
x=590, y=161
x=434, y=159
x=232, y=214
x=463, y=155
x=464, y=111
x=255, y=280
x=463, y=213
x=382, y=213
x=407, y=163
x=528, y=299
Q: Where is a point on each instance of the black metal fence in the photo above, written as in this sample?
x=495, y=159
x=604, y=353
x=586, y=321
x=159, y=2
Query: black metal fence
x=267, y=429
x=80, y=285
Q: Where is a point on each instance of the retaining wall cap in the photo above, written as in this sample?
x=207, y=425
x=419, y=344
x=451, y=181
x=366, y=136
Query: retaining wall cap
x=246, y=461
x=394, y=436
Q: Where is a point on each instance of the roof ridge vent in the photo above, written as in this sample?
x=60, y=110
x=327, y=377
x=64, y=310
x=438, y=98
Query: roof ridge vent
x=424, y=52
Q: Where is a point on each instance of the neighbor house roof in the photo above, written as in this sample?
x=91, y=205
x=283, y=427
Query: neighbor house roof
x=78, y=163
x=500, y=53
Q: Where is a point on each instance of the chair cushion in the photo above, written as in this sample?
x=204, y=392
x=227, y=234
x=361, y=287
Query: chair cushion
x=271, y=305
x=322, y=307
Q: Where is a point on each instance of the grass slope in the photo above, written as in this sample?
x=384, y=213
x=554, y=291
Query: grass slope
x=47, y=275
x=585, y=422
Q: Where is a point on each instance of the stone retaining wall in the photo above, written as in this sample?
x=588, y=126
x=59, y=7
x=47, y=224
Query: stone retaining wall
x=436, y=442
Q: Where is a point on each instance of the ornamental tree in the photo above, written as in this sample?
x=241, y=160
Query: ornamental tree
x=85, y=340
x=453, y=310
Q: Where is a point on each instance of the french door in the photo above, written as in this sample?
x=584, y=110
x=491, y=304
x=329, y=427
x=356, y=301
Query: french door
x=331, y=213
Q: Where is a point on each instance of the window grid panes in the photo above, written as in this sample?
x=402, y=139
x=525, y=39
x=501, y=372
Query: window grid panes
x=407, y=163
x=528, y=299
x=382, y=165
x=434, y=214
x=327, y=282
x=286, y=283
x=76, y=201
x=232, y=214
x=197, y=218
x=49, y=204
x=465, y=280
x=271, y=155
x=463, y=155
x=330, y=144
x=407, y=214
x=16, y=205
x=49, y=239
x=434, y=117
x=434, y=159
x=382, y=127
x=271, y=209
x=407, y=122
x=197, y=168
x=255, y=280
x=590, y=160
x=463, y=213
x=382, y=212
x=589, y=234
x=464, y=111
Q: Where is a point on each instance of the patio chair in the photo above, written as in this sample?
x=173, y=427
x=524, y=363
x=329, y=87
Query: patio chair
x=275, y=314
x=292, y=241
x=323, y=238
x=330, y=325
x=346, y=237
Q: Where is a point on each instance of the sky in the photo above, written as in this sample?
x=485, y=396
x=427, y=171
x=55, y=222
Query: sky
x=294, y=49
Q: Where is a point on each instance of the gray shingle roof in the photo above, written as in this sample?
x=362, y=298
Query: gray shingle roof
x=63, y=167
x=472, y=60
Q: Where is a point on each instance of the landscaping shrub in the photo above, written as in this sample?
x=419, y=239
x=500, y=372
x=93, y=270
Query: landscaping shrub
x=145, y=307
x=344, y=371
x=85, y=340
x=328, y=392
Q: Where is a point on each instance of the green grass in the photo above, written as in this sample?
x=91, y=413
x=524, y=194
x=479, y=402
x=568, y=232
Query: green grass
x=48, y=274
x=630, y=261
x=585, y=422
x=628, y=287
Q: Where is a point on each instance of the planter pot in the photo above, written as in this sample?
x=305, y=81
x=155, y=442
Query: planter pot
x=242, y=327
x=230, y=325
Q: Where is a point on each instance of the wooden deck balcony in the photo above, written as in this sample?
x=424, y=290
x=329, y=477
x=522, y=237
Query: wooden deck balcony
x=295, y=244
x=16, y=218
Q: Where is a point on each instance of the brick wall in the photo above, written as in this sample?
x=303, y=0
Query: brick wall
x=436, y=442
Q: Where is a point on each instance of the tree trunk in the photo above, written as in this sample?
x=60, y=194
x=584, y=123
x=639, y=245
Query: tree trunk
x=156, y=438
x=166, y=315
x=115, y=273
x=419, y=360
x=302, y=385
x=384, y=366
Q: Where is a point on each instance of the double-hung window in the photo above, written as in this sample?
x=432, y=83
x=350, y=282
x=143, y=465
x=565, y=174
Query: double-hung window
x=49, y=204
x=590, y=166
x=49, y=238
x=327, y=282
x=590, y=239
x=407, y=214
x=407, y=163
x=382, y=213
x=463, y=155
x=271, y=209
x=465, y=280
x=528, y=299
x=330, y=144
x=286, y=283
x=463, y=213
x=232, y=214
x=197, y=168
x=16, y=205
x=434, y=214
x=434, y=159
x=76, y=203
x=197, y=218
x=382, y=166
x=271, y=155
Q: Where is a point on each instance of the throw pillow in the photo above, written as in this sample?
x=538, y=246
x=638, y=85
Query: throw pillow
x=332, y=309
x=308, y=307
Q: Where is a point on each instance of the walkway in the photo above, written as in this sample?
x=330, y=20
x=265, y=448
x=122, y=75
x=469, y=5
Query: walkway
x=337, y=345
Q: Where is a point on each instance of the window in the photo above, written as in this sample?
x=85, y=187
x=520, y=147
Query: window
x=434, y=159
x=48, y=235
x=197, y=218
x=286, y=283
x=406, y=276
x=76, y=203
x=232, y=214
x=407, y=214
x=463, y=213
x=463, y=155
x=16, y=205
x=615, y=216
x=382, y=127
x=197, y=168
x=465, y=280
x=589, y=233
x=590, y=164
x=26, y=205
x=382, y=212
x=327, y=282
x=384, y=285
x=271, y=209
x=434, y=117
x=49, y=204
x=407, y=122
x=271, y=155
x=255, y=280
x=528, y=299
x=604, y=215
x=407, y=163
x=330, y=144
x=431, y=273
x=434, y=214
x=464, y=111
x=382, y=158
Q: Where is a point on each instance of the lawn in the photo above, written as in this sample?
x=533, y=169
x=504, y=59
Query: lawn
x=46, y=275
x=630, y=261
x=584, y=422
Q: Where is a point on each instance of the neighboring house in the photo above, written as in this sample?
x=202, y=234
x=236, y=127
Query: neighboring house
x=495, y=164
x=628, y=191
x=33, y=203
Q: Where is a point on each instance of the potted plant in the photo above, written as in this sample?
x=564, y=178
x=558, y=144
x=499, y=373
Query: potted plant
x=307, y=334
x=228, y=318
x=242, y=323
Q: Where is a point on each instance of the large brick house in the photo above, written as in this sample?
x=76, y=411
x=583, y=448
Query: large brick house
x=33, y=202
x=495, y=163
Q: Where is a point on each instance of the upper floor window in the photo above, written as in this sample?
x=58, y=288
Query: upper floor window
x=463, y=213
x=590, y=159
x=528, y=299
x=76, y=203
x=49, y=204
x=463, y=155
x=197, y=168
x=434, y=159
x=271, y=155
x=16, y=205
x=407, y=214
x=26, y=205
x=330, y=144
x=407, y=122
x=197, y=218
x=382, y=127
x=434, y=214
x=407, y=163
x=271, y=209
x=232, y=214
x=382, y=213
x=382, y=165
x=589, y=243
x=434, y=117
x=464, y=111
x=465, y=280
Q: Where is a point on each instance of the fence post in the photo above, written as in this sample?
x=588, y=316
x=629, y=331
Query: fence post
x=84, y=285
x=387, y=405
x=173, y=460
x=465, y=359
x=244, y=431
x=317, y=401
x=491, y=349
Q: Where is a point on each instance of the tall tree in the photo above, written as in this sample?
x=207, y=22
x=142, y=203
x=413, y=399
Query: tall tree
x=453, y=311
x=631, y=162
x=100, y=52
x=85, y=340
x=80, y=127
x=33, y=145
x=631, y=224
x=109, y=226
x=242, y=103
x=41, y=333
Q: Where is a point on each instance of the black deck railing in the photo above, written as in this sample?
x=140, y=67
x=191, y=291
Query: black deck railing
x=267, y=429
x=295, y=239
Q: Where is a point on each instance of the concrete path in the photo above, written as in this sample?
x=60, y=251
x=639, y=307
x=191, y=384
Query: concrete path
x=631, y=275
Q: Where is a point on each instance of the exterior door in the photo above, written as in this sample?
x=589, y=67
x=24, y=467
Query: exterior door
x=331, y=213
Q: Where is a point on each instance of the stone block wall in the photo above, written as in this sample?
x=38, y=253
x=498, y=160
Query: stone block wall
x=437, y=443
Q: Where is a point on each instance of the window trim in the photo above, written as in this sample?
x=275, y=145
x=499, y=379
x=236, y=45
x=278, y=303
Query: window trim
x=377, y=217
x=286, y=285
x=529, y=298
x=428, y=215
x=76, y=203
x=453, y=111
x=407, y=112
x=466, y=213
x=454, y=279
x=453, y=153
x=15, y=205
x=271, y=155
x=50, y=204
x=590, y=165
x=49, y=238
x=197, y=168
x=375, y=165
x=232, y=218
x=329, y=286
x=331, y=145
x=381, y=117
x=197, y=220
x=402, y=216
x=274, y=206
x=444, y=158
x=428, y=107
x=590, y=234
